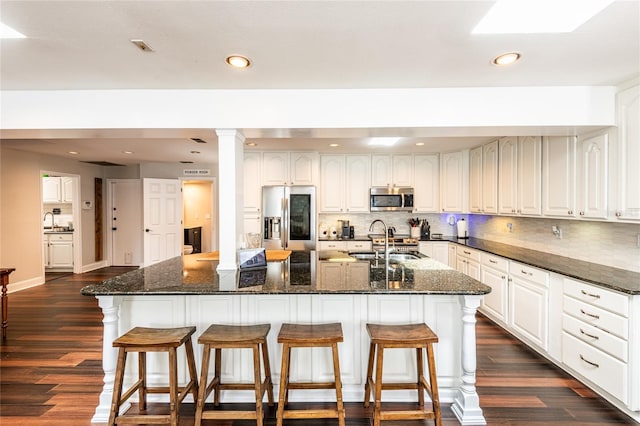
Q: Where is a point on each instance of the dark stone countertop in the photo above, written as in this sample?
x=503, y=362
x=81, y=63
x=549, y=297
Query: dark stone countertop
x=191, y=275
x=604, y=276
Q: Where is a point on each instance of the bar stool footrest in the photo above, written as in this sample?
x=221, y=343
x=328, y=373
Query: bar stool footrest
x=311, y=414
x=229, y=415
x=312, y=385
x=406, y=415
x=138, y=419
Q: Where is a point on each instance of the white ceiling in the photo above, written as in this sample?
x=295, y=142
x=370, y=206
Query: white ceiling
x=292, y=44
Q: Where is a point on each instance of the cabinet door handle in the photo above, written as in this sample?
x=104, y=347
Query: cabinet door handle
x=596, y=296
x=492, y=261
x=589, y=362
x=466, y=252
x=503, y=277
x=589, y=335
x=526, y=273
x=589, y=315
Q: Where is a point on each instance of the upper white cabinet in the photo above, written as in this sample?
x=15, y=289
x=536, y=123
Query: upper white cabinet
x=559, y=176
x=475, y=180
x=592, y=182
x=628, y=155
x=344, y=183
x=57, y=189
x=490, y=177
x=520, y=175
x=392, y=170
x=284, y=168
x=252, y=181
x=426, y=183
x=454, y=181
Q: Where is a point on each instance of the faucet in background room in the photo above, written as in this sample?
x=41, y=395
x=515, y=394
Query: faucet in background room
x=386, y=238
x=52, y=219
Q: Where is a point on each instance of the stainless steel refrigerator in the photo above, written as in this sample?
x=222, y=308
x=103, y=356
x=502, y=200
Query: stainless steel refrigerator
x=289, y=217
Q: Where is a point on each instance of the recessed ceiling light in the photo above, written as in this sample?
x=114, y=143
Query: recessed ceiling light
x=383, y=141
x=333, y=145
x=8, y=32
x=142, y=45
x=73, y=152
x=535, y=16
x=238, y=61
x=506, y=58
x=419, y=143
x=127, y=152
x=251, y=144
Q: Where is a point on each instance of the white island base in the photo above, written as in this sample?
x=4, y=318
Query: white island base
x=452, y=318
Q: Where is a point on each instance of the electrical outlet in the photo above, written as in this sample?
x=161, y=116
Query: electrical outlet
x=556, y=231
x=510, y=227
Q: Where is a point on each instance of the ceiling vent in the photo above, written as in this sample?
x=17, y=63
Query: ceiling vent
x=103, y=163
x=140, y=44
x=198, y=140
x=187, y=162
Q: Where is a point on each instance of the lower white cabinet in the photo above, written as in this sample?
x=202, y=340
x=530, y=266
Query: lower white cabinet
x=529, y=303
x=435, y=250
x=59, y=251
x=494, y=272
x=468, y=262
x=343, y=275
x=345, y=245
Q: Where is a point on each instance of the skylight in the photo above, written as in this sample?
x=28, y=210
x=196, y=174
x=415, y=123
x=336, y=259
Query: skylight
x=538, y=16
x=383, y=141
x=8, y=32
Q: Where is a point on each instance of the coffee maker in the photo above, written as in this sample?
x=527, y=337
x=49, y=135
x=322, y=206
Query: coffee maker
x=345, y=229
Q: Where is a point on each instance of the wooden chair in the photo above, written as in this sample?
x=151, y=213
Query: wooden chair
x=143, y=340
x=416, y=336
x=221, y=337
x=309, y=336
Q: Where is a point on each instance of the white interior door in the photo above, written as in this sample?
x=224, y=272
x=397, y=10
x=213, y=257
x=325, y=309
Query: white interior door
x=162, y=219
x=125, y=222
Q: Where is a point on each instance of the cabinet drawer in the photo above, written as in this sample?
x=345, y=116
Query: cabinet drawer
x=597, y=296
x=469, y=254
x=494, y=262
x=602, y=340
x=332, y=245
x=60, y=237
x=597, y=317
x=535, y=275
x=359, y=245
x=596, y=366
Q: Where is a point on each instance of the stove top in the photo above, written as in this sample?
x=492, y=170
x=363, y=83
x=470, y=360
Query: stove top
x=398, y=240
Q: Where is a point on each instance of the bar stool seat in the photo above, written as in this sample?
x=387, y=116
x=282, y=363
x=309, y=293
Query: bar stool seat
x=309, y=336
x=408, y=336
x=143, y=340
x=220, y=337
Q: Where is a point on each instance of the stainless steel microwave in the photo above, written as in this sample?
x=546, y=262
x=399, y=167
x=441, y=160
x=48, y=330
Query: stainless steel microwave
x=391, y=199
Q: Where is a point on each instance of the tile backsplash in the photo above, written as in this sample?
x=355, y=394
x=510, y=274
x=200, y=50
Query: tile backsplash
x=607, y=243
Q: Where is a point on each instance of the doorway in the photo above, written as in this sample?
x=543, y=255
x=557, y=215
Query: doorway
x=199, y=215
x=60, y=227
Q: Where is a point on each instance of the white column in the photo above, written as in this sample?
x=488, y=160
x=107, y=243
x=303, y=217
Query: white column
x=230, y=196
x=466, y=405
x=110, y=306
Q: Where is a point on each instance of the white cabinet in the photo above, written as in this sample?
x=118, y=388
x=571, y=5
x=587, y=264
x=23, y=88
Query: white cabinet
x=595, y=336
x=392, y=170
x=343, y=275
x=57, y=189
x=519, y=176
x=344, y=183
x=529, y=303
x=284, y=168
x=494, y=272
x=435, y=250
x=252, y=223
x=559, y=176
x=345, y=245
x=59, y=251
x=490, y=177
x=452, y=257
x=454, y=181
x=426, y=183
x=252, y=182
x=592, y=182
x=468, y=262
x=628, y=155
x=475, y=180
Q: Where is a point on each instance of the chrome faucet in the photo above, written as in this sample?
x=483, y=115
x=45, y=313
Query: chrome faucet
x=52, y=219
x=386, y=237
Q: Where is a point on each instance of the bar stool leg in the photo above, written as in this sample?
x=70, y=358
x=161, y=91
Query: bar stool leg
x=433, y=384
x=203, y=389
x=117, y=387
x=173, y=387
x=193, y=372
x=367, y=384
x=142, y=377
x=336, y=372
x=257, y=380
x=217, y=379
x=378, y=391
x=284, y=382
x=420, y=363
x=267, y=373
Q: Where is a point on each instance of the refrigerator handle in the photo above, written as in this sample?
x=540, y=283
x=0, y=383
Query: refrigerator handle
x=284, y=232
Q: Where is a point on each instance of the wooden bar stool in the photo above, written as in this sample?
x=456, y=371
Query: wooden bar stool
x=309, y=336
x=143, y=340
x=220, y=337
x=416, y=336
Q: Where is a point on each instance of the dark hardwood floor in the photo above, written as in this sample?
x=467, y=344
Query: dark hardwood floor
x=51, y=372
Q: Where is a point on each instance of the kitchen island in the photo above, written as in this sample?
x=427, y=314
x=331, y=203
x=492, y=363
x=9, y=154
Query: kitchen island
x=189, y=291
